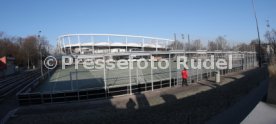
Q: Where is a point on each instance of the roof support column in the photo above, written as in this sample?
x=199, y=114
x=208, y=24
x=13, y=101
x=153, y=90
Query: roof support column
x=69, y=39
x=156, y=42
x=79, y=43
x=93, y=44
x=126, y=43
x=108, y=44
x=143, y=45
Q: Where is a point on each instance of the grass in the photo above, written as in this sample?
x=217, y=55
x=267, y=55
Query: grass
x=271, y=96
x=272, y=70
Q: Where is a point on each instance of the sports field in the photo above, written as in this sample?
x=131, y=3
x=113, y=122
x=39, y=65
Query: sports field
x=76, y=79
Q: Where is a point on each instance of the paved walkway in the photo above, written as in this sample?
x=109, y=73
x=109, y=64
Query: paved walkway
x=263, y=113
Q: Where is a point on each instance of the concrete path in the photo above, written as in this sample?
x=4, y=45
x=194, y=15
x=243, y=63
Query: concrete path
x=263, y=113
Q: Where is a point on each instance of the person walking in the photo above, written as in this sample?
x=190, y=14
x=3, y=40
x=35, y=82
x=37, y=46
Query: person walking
x=184, y=77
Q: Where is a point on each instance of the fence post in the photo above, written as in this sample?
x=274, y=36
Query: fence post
x=197, y=69
x=70, y=80
x=137, y=75
x=253, y=60
x=105, y=87
x=77, y=80
x=151, y=73
x=129, y=73
x=170, y=70
x=177, y=70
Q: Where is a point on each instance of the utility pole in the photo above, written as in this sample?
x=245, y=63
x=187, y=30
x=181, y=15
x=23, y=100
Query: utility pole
x=257, y=26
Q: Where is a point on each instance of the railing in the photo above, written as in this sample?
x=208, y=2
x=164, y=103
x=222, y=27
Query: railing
x=25, y=98
x=134, y=82
x=30, y=86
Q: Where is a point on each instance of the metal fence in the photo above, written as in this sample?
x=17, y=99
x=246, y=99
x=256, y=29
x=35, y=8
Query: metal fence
x=102, y=83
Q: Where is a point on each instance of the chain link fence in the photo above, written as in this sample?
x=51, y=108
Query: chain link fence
x=84, y=84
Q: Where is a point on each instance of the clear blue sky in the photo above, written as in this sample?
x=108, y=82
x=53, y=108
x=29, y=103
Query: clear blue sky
x=204, y=19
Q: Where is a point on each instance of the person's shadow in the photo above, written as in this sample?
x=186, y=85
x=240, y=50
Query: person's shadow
x=130, y=104
x=168, y=98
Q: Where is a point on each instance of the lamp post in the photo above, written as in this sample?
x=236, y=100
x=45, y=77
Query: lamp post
x=41, y=66
x=257, y=26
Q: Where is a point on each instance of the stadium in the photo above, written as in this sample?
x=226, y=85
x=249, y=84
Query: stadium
x=78, y=84
x=109, y=43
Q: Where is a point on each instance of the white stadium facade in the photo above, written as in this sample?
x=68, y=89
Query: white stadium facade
x=119, y=46
x=109, y=43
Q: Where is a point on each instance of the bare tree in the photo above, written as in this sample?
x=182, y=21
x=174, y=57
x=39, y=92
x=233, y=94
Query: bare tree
x=219, y=44
x=25, y=50
x=244, y=47
x=176, y=45
x=1, y=34
x=212, y=46
x=271, y=37
x=30, y=46
x=255, y=43
x=222, y=43
x=196, y=45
